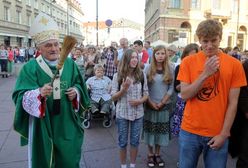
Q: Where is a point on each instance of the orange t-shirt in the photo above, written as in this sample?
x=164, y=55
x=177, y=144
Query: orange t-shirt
x=205, y=113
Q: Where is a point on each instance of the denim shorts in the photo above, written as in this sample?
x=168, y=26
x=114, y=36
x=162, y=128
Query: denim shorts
x=123, y=131
x=192, y=145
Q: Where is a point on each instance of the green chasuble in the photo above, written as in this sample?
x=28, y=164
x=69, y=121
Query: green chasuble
x=57, y=139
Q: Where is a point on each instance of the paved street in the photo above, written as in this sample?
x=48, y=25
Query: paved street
x=100, y=146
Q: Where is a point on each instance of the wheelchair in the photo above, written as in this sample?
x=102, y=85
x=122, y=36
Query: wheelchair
x=106, y=118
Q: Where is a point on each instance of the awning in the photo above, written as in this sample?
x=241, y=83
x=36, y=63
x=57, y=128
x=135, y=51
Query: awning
x=159, y=42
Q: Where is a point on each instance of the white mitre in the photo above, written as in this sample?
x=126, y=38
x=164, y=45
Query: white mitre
x=44, y=28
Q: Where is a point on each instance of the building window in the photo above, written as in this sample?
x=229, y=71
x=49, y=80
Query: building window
x=28, y=20
x=19, y=41
x=36, y=4
x=175, y=4
x=172, y=36
x=229, y=41
x=6, y=13
x=235, y=6
x=42, y=7
x=6, y=40
x=28, y=2
x=216, y=4
x=195, y=4
x=246, y=6
x=48, y=9
x=18, y=17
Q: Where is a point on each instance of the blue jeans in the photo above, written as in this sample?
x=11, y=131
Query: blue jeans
x=123, y=131
x=192, y=145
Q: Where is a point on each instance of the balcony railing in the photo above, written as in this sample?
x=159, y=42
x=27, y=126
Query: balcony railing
x=217, y=14
x=13, y=25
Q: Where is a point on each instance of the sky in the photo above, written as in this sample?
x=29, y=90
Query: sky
x=114, y=9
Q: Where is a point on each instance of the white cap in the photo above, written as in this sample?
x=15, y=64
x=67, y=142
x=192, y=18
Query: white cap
x=44, y=28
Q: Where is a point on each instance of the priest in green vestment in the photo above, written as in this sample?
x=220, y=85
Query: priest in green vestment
x=48, y=115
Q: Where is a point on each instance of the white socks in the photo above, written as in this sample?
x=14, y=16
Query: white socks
x=132, y=165
x=124, y=166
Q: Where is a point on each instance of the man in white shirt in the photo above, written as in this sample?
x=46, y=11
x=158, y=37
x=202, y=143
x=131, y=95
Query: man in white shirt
x=124, y=47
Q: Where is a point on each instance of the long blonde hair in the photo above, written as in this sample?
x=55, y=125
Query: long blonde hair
x=124, y=68
x=167, y=75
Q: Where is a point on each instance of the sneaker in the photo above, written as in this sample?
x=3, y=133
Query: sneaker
x=150, y=161
x=159, y=161
x=103, y=112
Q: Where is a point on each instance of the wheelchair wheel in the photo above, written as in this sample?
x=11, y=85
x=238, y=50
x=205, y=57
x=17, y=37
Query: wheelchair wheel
x=86, y=124
x=107, y=123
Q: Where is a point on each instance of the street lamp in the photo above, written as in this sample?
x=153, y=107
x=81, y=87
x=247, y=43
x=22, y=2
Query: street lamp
x=122, y=25
x=67, y=17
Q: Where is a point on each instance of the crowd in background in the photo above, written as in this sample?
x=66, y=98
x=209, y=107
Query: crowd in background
x=10, y=55
x=89, y=55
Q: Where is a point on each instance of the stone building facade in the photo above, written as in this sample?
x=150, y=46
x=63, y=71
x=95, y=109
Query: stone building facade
x=17, y=16
x=175, y=21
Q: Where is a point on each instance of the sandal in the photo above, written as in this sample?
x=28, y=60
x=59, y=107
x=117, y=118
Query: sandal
x=159, y=161
x=150, y=161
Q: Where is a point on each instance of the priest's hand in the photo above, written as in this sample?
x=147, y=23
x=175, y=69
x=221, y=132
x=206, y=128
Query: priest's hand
x=71, y=93
x=46, y=90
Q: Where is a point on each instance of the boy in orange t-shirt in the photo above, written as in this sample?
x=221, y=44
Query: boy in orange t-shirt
x=210, y=82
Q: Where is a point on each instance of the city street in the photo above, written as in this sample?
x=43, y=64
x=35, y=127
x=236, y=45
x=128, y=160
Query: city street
x=100, y=148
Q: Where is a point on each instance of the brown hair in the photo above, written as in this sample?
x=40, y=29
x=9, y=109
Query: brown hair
x=227, y=50
x=78, y=48
x=209, y=28
x=190, y=47
x=167, y=75
x=124, y=68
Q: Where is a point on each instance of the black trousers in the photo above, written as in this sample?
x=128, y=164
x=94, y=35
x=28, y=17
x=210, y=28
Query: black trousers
x=242, y=161
x=3, y=63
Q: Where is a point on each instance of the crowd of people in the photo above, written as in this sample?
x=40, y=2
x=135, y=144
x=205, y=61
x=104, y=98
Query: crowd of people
x=192, y=93
x=10, y=55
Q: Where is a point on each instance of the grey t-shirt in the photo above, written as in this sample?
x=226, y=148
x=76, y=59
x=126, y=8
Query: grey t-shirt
x=158, y=88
